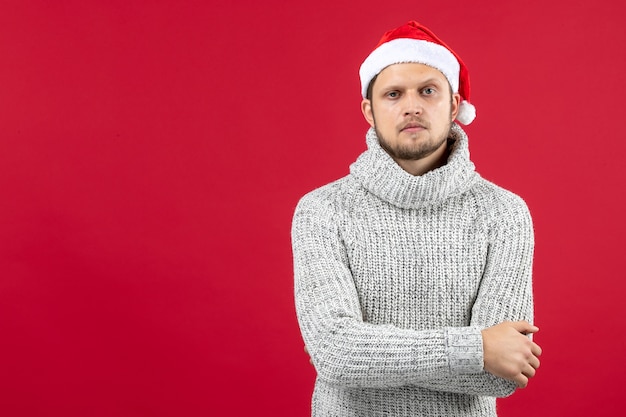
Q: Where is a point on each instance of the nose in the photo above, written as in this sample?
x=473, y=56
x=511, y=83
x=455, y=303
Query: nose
x=413, y=104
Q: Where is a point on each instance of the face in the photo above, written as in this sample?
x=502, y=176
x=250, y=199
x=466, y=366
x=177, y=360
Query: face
x=412, y=110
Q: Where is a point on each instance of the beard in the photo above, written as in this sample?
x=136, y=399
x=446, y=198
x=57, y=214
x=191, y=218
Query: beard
x=415, y=151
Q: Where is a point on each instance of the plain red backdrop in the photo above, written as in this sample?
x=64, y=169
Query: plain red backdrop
x=152, y=153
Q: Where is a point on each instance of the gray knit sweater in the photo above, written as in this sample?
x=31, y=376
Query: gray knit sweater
x=395, y=276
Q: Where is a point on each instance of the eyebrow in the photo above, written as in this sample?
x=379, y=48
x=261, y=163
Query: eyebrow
x=432, y=80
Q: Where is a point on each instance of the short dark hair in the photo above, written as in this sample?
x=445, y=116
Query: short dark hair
x=370, y=86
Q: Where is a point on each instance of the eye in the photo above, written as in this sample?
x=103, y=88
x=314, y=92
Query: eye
x=428, y=91
x=393, y=94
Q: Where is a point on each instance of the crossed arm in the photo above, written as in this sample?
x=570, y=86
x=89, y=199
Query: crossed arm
x=348, y=351
x=507, y=353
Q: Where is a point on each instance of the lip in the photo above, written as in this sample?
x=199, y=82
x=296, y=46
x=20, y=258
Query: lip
x=412, y=127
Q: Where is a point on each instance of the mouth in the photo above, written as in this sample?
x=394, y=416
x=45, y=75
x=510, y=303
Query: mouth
x=412, y=127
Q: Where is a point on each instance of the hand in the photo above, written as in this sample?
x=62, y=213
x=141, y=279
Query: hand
x=509, y=354
x=307, y=352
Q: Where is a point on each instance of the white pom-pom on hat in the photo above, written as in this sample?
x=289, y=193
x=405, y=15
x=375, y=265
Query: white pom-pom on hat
x=414, y=42
x=467, y=112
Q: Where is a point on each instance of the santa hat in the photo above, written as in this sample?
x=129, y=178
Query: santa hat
x=415, y=43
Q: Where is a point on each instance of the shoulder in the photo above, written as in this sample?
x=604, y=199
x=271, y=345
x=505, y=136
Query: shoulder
x=335, y=196
x=501, y=206
x=321, y=214
x=495, y=197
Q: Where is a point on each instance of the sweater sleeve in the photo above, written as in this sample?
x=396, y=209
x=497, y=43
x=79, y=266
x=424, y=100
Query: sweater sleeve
x=346, y=350
x=505, y=291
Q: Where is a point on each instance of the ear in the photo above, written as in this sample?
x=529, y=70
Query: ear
x=366, y=109
x=456, y=103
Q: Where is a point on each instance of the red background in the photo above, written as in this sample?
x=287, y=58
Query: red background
x=152, y=154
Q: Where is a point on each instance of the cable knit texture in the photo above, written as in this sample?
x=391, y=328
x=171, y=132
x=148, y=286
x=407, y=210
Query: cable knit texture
x=396, y=275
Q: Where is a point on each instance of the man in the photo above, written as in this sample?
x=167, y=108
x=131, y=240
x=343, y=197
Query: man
x=413, y=274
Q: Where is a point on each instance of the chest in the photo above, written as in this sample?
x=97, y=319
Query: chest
x=417, y=267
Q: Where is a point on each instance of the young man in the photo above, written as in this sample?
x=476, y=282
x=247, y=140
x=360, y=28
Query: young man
x=413, y=274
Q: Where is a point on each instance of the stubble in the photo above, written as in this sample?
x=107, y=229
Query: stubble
x=417, y=150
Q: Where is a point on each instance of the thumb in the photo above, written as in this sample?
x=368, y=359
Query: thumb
x=524, y=327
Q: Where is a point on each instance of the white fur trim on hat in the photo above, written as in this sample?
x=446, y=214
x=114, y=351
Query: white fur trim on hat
x=404, y=50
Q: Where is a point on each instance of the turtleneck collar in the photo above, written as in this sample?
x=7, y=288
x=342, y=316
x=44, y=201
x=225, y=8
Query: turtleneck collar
x=383, y=177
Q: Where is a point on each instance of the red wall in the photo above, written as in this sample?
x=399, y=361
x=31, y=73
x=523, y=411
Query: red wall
x=152, y=153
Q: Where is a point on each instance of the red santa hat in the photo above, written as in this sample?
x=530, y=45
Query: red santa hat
x=415, y=43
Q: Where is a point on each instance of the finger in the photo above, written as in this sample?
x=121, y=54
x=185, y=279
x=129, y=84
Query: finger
x=534, y=362
x=306, y=350
x=536, y=349
x=524, y=327
x=521, y=380
x=529, y=371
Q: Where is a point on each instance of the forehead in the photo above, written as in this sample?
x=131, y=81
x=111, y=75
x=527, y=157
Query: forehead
x=410, y=72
